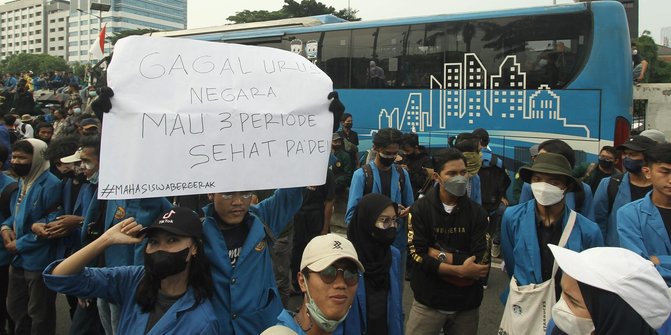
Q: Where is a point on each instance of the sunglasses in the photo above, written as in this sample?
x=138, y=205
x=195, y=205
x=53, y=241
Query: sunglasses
x=330, y=273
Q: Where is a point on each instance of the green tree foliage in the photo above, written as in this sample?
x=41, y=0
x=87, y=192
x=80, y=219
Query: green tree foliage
x=658, y=71
x=38, y=63
x=119, y=35
x=293, y=9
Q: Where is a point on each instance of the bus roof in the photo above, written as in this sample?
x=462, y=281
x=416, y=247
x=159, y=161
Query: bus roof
x=278, y=28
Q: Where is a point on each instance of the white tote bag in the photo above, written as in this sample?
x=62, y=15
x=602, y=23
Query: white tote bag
x=529, y=308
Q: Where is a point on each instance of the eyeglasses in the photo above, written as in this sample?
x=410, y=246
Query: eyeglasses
x=329, y=274
x=386, y=222
x=231, y=195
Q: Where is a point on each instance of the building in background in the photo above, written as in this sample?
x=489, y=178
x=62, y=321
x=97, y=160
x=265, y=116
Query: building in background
x=666, y=37
x=631, y=9
x=67, y=29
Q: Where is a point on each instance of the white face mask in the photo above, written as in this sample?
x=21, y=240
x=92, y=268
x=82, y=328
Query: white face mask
x=547, y=194
x=568, y=322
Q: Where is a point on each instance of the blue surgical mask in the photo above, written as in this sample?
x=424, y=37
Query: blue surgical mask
x=633, y=165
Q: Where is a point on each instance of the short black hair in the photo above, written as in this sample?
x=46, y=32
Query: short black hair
x=660, y=153
x=559, y=147
x=92, y=141
x=483, y=135
x=23, y=146
x=345, y=116
x=43, y=125
x=611, y=149
x=410, y=139
x=467, y=142
x=61, y=147
x=441, y=157
x=9, y=119
x=386, y=137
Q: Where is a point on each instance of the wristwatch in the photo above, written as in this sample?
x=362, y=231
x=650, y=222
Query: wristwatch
x=442, y=257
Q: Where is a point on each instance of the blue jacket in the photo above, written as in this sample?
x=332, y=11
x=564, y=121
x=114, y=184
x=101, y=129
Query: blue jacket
x=40, y=204
x=586, y=210
x=355, y=322
x=519, y=241
x=642, y=231
x=5, y=180
x=79, y=207
x=608, y=221
x=118, y=286
x=246, y=298
x=476, y=192
x=404, y=197
x=286, y=319
x=145, y=212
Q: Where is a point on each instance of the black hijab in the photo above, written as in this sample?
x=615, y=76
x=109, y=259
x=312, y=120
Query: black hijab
x=375, y=257
x=611, y=315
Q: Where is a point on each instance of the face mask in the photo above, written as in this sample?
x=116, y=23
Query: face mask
x=336, y=147
x=163, y=264
x=21, y=170
x=93, y=94
x=386, y=161
x=456, y=185
x=316, y=314
x=384, y=236
x=77, y=110
x=93, y=179
x=568, y=322
x=347, y=125
x=473, y=162
x=605, y=164
x=634, y=52
x=633, y=165
x=547, y=194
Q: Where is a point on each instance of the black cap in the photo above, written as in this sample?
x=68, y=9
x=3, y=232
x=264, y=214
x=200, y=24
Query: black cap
x=637, y=143
x=179, y=221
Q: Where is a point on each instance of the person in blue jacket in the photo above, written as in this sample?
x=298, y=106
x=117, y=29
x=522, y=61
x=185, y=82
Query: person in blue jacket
x=644, y=226
x=170, y=294
x=237, y=236
x=630, y=186
x=527, y=228
x=8, y=190
x=377, y=307
x=577, y=199
x=387, y=181
x=29, y=303
x=329, y=277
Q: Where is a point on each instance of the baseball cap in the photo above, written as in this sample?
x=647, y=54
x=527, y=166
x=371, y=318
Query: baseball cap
x=637, y=143
x=623, y=272
x=323, y=250
x=179, y=221
x=89, y=123
x=74, y=158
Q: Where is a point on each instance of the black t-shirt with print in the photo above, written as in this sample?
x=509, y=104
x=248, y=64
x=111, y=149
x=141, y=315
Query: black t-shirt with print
x=235, y=236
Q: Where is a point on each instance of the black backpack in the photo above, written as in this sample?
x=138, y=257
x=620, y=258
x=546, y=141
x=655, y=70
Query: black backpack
x=613, y=186
x=494, y=182
x=368, y=174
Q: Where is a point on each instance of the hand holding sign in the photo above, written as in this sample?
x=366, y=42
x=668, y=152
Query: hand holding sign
x=196, y=117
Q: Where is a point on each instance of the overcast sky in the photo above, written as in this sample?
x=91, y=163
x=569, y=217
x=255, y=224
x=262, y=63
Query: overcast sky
x=654, y=14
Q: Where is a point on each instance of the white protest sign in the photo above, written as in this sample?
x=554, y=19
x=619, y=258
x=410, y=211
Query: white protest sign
x=193, y=117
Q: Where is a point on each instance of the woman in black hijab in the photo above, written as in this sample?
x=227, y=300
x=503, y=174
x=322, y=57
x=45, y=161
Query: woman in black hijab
x=378, y=301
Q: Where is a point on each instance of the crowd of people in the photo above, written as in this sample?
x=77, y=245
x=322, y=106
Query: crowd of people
x=590, y=240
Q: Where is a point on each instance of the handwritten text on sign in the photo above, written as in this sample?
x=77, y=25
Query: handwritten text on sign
x=194, y=117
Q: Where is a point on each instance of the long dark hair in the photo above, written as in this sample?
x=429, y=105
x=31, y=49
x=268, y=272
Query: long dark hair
x=200, y=279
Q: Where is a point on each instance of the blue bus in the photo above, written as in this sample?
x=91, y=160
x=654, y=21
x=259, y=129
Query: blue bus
x=525, y=75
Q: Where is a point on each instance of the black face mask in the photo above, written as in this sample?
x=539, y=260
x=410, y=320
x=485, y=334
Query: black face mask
x=606, y=164
x=162, y=264
x=386, y=161
x=347, y=125
x=384, y=236
x=21, y=170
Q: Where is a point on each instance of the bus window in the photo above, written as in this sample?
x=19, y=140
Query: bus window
x=425, y=55
x=389, y=49
x=335, y=58
x=363, y=53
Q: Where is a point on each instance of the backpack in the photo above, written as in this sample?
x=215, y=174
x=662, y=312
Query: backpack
x=613, y=187
x=368, y=174
x=494, y=182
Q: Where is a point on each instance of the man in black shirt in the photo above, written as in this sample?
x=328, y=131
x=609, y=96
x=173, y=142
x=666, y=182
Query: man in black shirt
x=644, y=226
x=446, y=241
x=639, y=64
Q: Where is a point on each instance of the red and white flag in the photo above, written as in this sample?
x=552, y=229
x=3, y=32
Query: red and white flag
x=97, y=50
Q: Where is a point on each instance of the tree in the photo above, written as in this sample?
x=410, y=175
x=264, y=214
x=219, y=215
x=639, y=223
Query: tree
x=38, y=63
x=293, y=9
x=658, y=71
x=121, y=34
